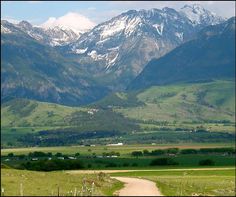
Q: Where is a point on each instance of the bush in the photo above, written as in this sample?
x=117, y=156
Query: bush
x=50, y=165
x=125, y=164
x=172, y=150
x=10, y=155
x=206, y=162
x=77, y=154
x=163, y=162
x=137, y=153
x=189, y=151
x=58, y=154
x=111, y=165
x=158, y=152
x=146, y=152
x=37, y=154
x=22, y=156
x=217, y=150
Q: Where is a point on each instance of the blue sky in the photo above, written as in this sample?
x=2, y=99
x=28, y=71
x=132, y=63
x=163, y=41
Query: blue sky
x=38, y=12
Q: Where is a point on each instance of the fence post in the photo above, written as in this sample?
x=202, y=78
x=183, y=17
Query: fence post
x=92, y=188
x=2, y=192
x=21, y=190
x=58, y=191
x=75, y=191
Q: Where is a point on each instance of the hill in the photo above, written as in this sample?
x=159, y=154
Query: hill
x=211, y=101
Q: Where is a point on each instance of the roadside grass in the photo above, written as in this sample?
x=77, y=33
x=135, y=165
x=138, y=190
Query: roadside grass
x=115, y=187
x=192, y=186
x=30, y=183
x=215, y=182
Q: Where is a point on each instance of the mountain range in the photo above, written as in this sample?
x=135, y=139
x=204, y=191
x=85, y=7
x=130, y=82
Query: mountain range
x=61, y=66
x=210, y=56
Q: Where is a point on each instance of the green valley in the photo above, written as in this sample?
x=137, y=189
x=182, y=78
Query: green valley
x=158, y=114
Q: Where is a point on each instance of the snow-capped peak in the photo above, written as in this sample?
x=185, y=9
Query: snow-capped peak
x=198, y=15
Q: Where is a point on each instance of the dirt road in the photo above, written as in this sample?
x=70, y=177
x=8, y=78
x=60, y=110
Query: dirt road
x=137, y=187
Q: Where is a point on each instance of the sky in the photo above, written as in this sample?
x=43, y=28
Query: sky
x=90, y=13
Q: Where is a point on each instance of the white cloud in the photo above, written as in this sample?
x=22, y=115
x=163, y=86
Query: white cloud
x=71, y=20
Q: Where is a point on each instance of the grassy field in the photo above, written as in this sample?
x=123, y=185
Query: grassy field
x=217, y=182
x=123, y=150
x=29, y=183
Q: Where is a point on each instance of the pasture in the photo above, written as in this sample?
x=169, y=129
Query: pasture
x=30, y=183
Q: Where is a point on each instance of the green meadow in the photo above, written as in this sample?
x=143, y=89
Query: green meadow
x=30, y=183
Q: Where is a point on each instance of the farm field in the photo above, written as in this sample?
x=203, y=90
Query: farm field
x=123, y=150
x=119, y=157
x=187, y=182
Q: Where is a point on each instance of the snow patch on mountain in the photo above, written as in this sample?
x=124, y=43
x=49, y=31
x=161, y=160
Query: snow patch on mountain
x=112, y=61
x=159, y=28
x=180, y=35
x=113, y=28
x=81, y=51
x=93, y=54
x=5, y=30
x=131, y=25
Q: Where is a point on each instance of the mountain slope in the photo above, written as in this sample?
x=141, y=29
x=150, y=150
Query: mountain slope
x=32, y=70
x=210, y=56
x=116, y=51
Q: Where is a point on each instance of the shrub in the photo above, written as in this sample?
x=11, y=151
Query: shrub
x=134, y=164
x=189, y=151
x=163, y=162
x=172, y=150
x=37, y=154
x=58, y=154
x=111, y=164
x=50, y=165
x=10, y=155
x=137, y=153
x=125, y=164
x=77, y=154
x=146, y=152
x=206, y=162
x=22, y=156
x=158, y=152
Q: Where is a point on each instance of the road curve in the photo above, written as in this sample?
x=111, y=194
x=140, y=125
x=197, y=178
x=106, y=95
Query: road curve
x=137, y=187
